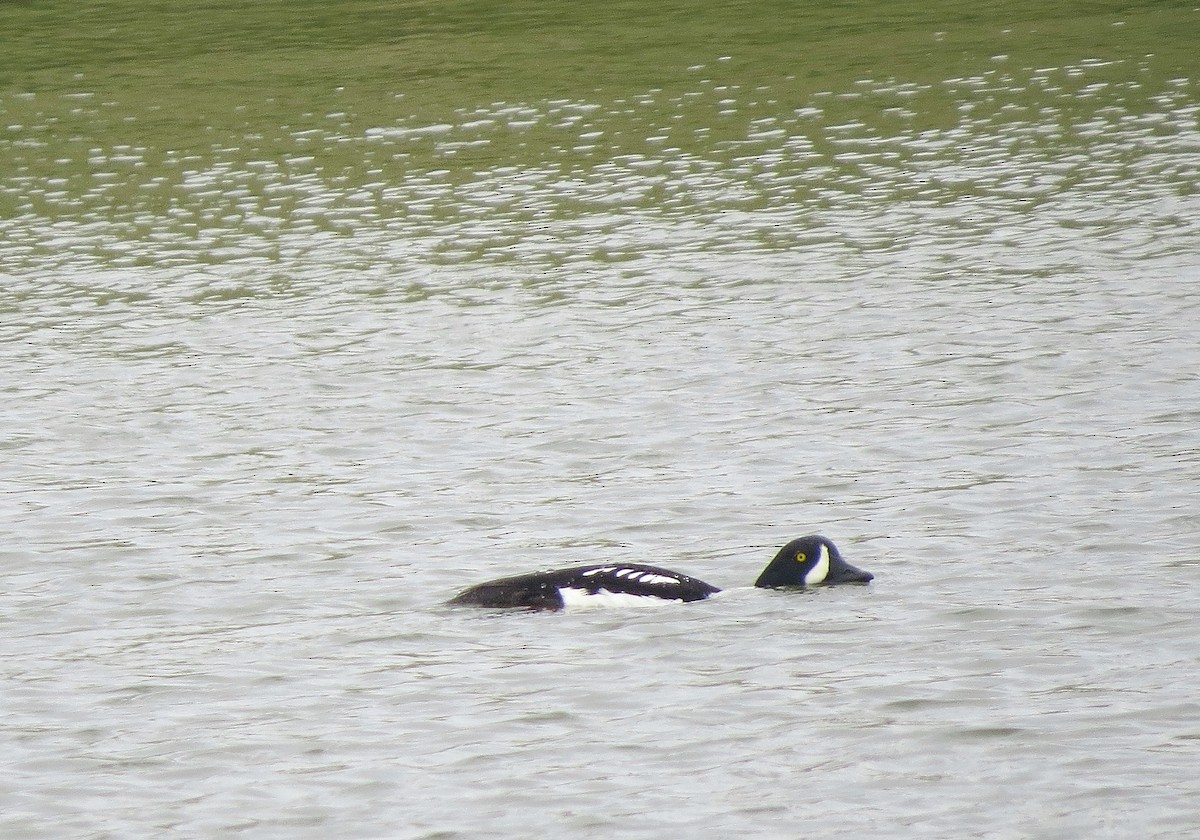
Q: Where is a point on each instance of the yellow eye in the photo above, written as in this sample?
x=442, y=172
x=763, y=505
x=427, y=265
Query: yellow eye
x=801, y=557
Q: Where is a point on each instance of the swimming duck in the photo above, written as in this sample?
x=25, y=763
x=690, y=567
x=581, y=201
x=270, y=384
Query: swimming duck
x=805, y=561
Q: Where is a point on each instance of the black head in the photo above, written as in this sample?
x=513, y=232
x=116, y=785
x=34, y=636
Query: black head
x=807, y=561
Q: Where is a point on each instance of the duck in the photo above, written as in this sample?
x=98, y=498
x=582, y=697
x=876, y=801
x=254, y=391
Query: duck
x=804, y=561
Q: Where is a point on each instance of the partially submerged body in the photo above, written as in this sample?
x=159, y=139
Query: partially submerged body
x=806, y=561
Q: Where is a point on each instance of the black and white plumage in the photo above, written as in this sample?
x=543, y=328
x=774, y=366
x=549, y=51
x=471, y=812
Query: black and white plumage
x=806, y=561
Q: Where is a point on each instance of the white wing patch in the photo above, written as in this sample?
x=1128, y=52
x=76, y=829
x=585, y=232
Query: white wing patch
x=632, y=574
x=650, y=577
x=574, y=597
x=603, y=570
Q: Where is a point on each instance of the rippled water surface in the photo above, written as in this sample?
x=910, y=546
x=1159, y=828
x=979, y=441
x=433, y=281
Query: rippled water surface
x=274, y=391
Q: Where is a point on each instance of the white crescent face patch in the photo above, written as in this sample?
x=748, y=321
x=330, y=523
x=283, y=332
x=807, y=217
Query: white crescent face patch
x=820, y=568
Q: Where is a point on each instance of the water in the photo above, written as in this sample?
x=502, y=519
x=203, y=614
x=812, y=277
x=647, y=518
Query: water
x=281, y=376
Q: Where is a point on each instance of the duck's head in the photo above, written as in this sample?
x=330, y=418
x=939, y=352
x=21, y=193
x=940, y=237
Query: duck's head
x=808, y=561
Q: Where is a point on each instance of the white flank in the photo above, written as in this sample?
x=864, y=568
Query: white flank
x=573, y=597
x=819, y=570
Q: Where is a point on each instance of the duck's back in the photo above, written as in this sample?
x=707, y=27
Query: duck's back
x=553, y=590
